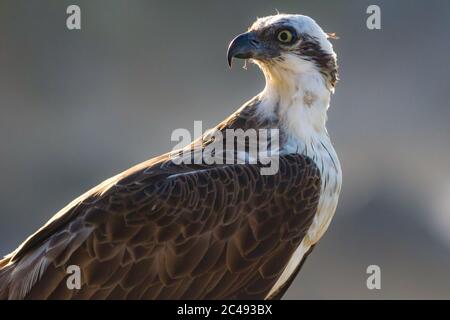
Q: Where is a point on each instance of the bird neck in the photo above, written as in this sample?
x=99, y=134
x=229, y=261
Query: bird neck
x=299, y=101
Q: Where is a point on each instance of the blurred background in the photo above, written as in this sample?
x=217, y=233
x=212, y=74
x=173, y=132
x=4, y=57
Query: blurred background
x=77, y=107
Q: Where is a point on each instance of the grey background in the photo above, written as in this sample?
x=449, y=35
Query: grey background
x=77, y=107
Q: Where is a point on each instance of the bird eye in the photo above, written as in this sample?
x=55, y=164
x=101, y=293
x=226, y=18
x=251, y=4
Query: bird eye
x=285, y=36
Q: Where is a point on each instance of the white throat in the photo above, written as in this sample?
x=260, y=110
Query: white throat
x=300, y=100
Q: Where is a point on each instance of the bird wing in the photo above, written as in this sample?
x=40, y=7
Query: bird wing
x=166, y=231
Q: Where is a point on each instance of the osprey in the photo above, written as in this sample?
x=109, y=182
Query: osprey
x=164, y=230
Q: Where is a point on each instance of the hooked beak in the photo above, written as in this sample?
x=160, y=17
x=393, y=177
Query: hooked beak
x=244, y=46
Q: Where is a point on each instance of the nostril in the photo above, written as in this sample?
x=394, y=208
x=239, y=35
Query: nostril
x=254, y=42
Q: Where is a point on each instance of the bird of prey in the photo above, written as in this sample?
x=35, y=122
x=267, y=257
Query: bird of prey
x=166, y=230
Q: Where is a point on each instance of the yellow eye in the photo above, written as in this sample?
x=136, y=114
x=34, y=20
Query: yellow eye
x=285, y=36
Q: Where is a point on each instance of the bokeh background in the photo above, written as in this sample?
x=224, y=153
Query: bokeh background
x=77, y=107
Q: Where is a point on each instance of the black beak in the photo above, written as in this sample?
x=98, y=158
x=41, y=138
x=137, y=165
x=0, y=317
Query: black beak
x=244, y=46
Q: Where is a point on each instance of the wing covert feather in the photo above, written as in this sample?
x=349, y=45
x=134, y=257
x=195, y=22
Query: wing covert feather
x=167, y=231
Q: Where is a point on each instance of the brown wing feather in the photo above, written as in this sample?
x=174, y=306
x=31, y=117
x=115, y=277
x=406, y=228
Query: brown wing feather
x=169, y=232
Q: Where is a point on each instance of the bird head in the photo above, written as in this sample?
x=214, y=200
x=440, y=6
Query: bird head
x=286, y=45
